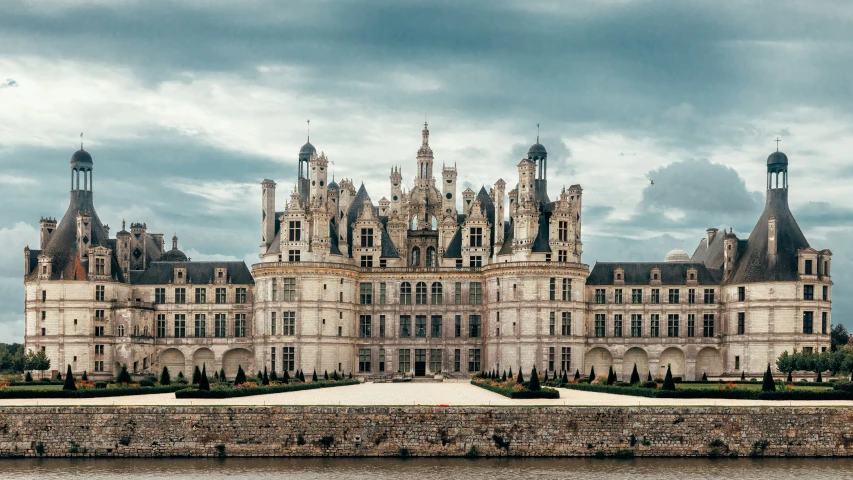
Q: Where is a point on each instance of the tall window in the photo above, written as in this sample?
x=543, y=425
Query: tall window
x=562, y=256
x=364, y=358
x=617, y=325
x=550, y=358
x=420, y=326
x=436, y=293
x=741, y=323
x=159, y=295
x=99, y=266
x=473, y=326
x=365, y=296
x=435, y=360
x=219, y=325
x=405, y=293
x=364, y=324
x=808, y=292
x=180, y=295
x=600, y=325
x=809, y=269
x=288, y=358
x=288, y=323
x=654, y=325
x=435, y=330
x=200, y=295
x=691, y=325
x=272, y=358
x=273, y=330
x=475, y=261
x=825, y=293
x=421, y=293
x=405, y=326
x=808, y=322
x=824, y=323
x=457, y=326
x=221, y=295
x=240, y=325
x=709, y=296
x=566, y=359
x=552, y=289
x=599, y=296
x=563, y=231
x=382, y=293
x=672, y=325
x=475, y=293
x=741, y=294
x=161, y=325
x=636, y=296
x=404, y=360
x=430, y=256
x=200, y=325
x=381, y=359
x=274, y=288
x=473, y=359
x=294, y=231
x=381, y=326
x=289, y=285
x=655, y=296
x=180, y=325
x=457, y=293
x=366, y=237
x=99, y=293
x=457, y=360
x=566, y=323
x=476, y=237
x=552, y=323
x=416, y=257
x=240, y=294
x=708, y=325
x=617, y=296
x=567, y=289
x=674, y=295
x=691, y=296
x=636, y=325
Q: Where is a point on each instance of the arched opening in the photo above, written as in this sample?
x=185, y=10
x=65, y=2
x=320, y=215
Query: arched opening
x=421, y=293
x=174, y=360
x=430, y=256
x=204, y=357
x=599, y=358
x=674, y=358
x=416, y=257
x=710, y=362
x=437, y=293
x=239, y=357
x=635, y=356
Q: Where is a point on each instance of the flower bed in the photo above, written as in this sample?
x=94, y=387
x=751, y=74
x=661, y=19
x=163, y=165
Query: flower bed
x=222, y=391
x=514, y=390
x=727, y=391
x=88, y=391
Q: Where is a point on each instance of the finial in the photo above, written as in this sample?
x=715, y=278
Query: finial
x=309, y=130
x=537, y=133
x=81, y=140
x=122, y=224
x=777, y=142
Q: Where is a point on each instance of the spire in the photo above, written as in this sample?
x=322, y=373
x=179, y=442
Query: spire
x=537, y=133
x=309, y=130
x=175, y=242
x=425, y=134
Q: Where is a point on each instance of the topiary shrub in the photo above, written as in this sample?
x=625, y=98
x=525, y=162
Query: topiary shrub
x=265, y=379
x=69, y=380
x=273, y=376
x=768, y=385
x=704, y=377
x=649, y=379
x=635, y=375
x=100, y=384
x=28, y=377
x=623, y=384
x=325, y=374
x=742, y=375
x=819, y=377
x=85, y=377
x=314, y=376
x=520, y=379
x=591, y=373
x=123, y=375
x=650, y=384
x=668, y=383
x=301, y=376
x=203, y=383
x=533, y=385
x=286, y=377
x=146, y=383
x=196, y=375
x=240, y=378
x=222, y=374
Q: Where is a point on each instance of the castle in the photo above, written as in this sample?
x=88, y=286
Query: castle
x=413, y=284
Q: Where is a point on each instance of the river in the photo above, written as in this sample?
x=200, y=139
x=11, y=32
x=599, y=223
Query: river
x=427, y=469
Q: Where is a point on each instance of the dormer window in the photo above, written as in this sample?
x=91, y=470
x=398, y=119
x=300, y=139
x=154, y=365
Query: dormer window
x=180, y=274
x=809, y=269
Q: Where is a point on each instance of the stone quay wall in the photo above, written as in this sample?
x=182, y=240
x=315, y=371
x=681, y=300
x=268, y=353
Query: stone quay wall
x=309, y=431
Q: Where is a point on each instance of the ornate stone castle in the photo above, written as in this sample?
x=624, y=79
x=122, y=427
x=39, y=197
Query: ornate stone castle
x=415, y=285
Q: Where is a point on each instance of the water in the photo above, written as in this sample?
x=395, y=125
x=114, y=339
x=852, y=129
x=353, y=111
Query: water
x=427, y=469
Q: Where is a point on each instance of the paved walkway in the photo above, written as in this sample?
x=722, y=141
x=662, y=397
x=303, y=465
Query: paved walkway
x=451, y=393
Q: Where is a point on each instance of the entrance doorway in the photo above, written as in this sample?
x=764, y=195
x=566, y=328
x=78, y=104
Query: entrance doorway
x=420, y=362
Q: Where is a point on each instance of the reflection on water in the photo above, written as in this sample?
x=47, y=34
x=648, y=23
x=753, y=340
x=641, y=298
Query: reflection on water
x=426, y=469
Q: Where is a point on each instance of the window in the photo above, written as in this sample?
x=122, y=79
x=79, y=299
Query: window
x=416, y=257
x=99, y=267
x=381, y=326
x=741, y=323
x=420, y=293
x=364, y=323
x=457, y=360
x=691, y=296
x=617, y=326
x=473, y=326
x=367, y=261
x=636, y=296
x=672, y=325
x=161, y=325
x=219, y=325
x=636, y=325
x=405, y=293
x=289, y=286
x=364, y=353
x=475, y=261
x=674, y=295
x=475, y=293
x=809, y=269
x=457, y=293
x=599, y=296
x=275, y=289
x=405, y=326
x=808, y=292
x=366, y=237
x=825, y=293
x=654, y=325
x=288, y=358
x=99, y=331
x=567, y=290
x=808, y=321
x=435, y=330
x=473, y=359
x=404, y=360
x=566, y=359
x=221, y=295
x=617, y=296
x=420, y=326
x=562, y=256
x=99, y=293
x=288, y=323
x=476, y=237
x=159, y=295
x=180, y=325
x=435, y=360
x=600, y=325
x=550, y=358
x=436, y=293
x=566, y=323
x=741, y=294
x=365, y=296
x=240, y=294
x=691, y=325
x=430, y=256
x=563, y=231
x=824, y=323
x=240, y=325
x=457, y=328
x=44, y=331
x=272, y=323
x=294, y=255
x=655, y=296
x=99, y=349
x=99, y=365
x=552, y=324
x=200, y=295
x=708, y=325
x=99, y=315
x=294, y=231
x=381, y=359
x=709, y=296
x=737, y=362
x=200, y=324
x=181, y=295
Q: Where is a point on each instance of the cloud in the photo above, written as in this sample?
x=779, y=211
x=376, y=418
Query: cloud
x=9, y=83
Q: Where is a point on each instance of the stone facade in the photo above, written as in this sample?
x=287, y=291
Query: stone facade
x=414, y=284
x=423, y=431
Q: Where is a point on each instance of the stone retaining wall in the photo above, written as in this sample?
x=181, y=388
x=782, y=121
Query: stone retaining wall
x=424, y=431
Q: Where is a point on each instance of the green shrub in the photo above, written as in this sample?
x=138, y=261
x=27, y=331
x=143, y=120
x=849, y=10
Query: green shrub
x=273, y=376
x=98, y=391
x=525, y=393
x=583, y=380
x=100, y=384
x=123, y=375
x=28, y=377
x=47, y=380
x=623, y=384
x=196, y=375
x=146, y=383
x=843, y=386
x=768, y=385
x=69, y=381
x=650, y=384
x=203, y=382
x=520, y=379
x=704, y=377
x=222, y=374
x=165, y=378
x=635, y=375
x=591, y=373
x=265, y=379
x=260, y=390
x=314, y=376
x=240, y=378
x=533, y=386
x=668, y=383
x=85, y=377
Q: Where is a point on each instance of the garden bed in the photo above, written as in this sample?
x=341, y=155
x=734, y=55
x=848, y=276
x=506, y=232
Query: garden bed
x=725, y=392
x=245, y=391
x=91, y=392
x=509, y=389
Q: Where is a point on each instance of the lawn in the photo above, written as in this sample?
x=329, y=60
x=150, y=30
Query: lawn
x=36, y=386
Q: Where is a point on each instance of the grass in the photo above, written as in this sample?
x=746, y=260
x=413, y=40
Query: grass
x=36, y=386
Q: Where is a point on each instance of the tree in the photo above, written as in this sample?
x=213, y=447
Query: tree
x=265, y=379
x=302, y=375
x=28, y=377
x=222, y=374
x=203, y=382
x=314, y=376
x=650, y=379
x=668, y=383
x=286, y=378
x=838, y=337
x=704, y=377
x=533, y=385
x=273, y=376
x=181, y=377
x=196, y=375
x=743, y=374
x=591, y=373
x=240, y=378
x=510, y=373
x=85, y=377
x=69, y=380
x=123, y=375
x=635, y=375
x=260, y=376
x=520, y=379
x=768, y=385
x=503, y=377
x=37, y=361
x=611, y=376
x=165, y=378
x=577, y=374
x=216, y=375
x=565, y=378
x=325, y=374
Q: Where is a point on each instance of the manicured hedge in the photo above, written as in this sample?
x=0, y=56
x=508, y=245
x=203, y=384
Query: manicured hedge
x=259, y=390
x=35, y=383
x=89, y=392
x=715, y=394
x=523, y=394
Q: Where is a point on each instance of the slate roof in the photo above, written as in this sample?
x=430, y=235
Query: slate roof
x=640, y=273
x=198, y=273
x=711, y=255
x=454, y=248
x=354, y=210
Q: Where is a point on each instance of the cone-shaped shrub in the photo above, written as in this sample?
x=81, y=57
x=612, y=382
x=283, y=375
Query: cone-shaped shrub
x=181, y=376
x=611, y=376
x=59, y=376
x=591, y=373
x=533, y=385
x=196, y=375
x=565, y=378
x=325, y=374
x=314, y=376
x=165, y=378
x=743, y=375
x=28, y=377
x=650, y=379
x=265, y=378
x=69, y=380
x=350, y=375
x=273, y=376
x=286, y=377
x=545, y=380
x=85, y=377
x=819, y=377
x=503, y=377
x=260, y=376
x=668, y=384
x=768, y=385
x=240, y=378
x=335, y=375
x=510, y=373
x=123, y=375
x=635, y=375
x=302, y=376
x=520, y=378
x=577, y=374
x=203, y=383
x=704, y=377
x=222, y=374
x=215, y=375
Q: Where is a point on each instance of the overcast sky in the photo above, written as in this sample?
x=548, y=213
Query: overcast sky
x=187, y=106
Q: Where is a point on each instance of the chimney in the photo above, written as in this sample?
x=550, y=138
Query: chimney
x=712, y=232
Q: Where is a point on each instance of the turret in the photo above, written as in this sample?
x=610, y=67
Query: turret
x=467, y=198
x=123, y=242
x=84, y=233
x=425, y=173
x=319, y=175
x=48, y=225
x=526, y=179
x=396, y=189
x=730, y=253
x=448, y=191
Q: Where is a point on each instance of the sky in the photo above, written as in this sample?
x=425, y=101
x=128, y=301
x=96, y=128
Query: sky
x=186, y=106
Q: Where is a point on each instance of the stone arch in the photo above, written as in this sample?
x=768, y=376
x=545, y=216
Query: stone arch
x=236, y=358
x=430, y=256
x=710, y=362
x=673, y=357
x=600, y=358
x=204, y=357
x=175, y=360
x=416, y=257
x=636, y=356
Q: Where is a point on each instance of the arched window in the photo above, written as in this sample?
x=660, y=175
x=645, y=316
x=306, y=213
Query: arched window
x=136, y=330
x=416, y=257
x=430, y=256
x=436, y=293
x=120, y=331
x=405, y=293
x=421, y=293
